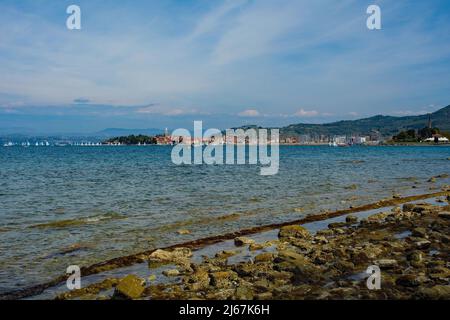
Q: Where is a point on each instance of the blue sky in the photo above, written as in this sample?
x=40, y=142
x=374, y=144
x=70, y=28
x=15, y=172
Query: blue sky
x=146, y=64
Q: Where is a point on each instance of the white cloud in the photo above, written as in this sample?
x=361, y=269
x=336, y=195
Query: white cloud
x=249, y=113
x=306, y=113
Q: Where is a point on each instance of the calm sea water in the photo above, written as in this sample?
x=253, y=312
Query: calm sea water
x=80, y=205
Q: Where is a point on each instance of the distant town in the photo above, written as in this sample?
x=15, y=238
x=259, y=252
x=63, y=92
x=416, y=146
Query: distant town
x=378, y=130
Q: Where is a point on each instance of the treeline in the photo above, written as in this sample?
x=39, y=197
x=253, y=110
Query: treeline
x=420, y=135
x=132, y=140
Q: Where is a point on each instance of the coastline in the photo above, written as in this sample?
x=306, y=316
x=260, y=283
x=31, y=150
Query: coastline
x=211, y=242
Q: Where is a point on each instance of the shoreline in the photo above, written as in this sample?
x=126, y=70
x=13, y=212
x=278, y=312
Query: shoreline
x=126, y=261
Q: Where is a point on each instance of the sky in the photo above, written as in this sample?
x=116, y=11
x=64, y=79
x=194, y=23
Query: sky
x=166, y=63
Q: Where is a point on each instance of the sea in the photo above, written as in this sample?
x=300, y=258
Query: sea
x=62, y=206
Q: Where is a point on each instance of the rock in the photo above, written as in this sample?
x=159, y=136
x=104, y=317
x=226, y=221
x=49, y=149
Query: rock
x=444, y=215
x=386, y=263
x=439, y=292
x=351, y=219
x=408, y=207
x=130, y=287
x=243, y=293
x=419, y=232
x=178, y=256
x=198, y=280
x=171, y=273
x=325, y=232
x=335, y=225
x=432, y=180
x=378, y=217
x=416, y=256
x=410, y=280
x=294, y=231
x=423, y=244
x=225, y=254
x=258, y=246
x=264, y=257
x=183, y=232
x=242, y=241
x=223, y=279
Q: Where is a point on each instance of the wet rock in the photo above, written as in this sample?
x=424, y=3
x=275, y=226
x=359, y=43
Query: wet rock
x=294, y=231
x=386, y=263
x=223, y=279
x=183, y=232
x=90, y=291
x=351, y=219
x=259, y=246
x=130, y=287
x=439, y=292
x=325, y=232
x=242, y=241
x=335, y=225
x=422, y=244
x=410, y=280
x=416, y=256
x=171, y=273
x=444, y=215
x=264, y=257
x=198, y=280
x=419, y=232
x=178, y=256
x=244, y=293
x=226, y=254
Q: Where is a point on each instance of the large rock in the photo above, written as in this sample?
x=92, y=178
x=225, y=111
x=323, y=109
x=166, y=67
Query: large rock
x=294, y=231
x=242, y=241
x=178, y=256
x=130, y=287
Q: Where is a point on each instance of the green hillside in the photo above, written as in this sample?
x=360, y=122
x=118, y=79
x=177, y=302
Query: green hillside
x=386, y=125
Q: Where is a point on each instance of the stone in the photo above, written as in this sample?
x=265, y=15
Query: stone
x=242, y=241
x=223, y=279
x=244, y=293
x=130, y=287
x=178, y=256
x=294, y=231
x=386, y=263
x=351, y=219
x=183, y=232
x=198, y=280
x=444, y=215
x=335, y=225
x=423, y=244
x=410, y=280
x=419, y=232
x=264, y=257
x=171, y=273
x=439, y=292
x=225, y=254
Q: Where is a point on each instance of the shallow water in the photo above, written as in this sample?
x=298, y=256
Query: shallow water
x=80, y=205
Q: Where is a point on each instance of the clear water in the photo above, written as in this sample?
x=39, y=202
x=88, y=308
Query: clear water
x=114, y=201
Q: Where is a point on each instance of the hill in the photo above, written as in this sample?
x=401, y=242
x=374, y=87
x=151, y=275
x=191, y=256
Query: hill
x=385, y=125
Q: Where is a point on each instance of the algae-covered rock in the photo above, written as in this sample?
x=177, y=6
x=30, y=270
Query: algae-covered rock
x=294, y=231
x=171, y=273
x=242, y=241
x=439, y=292
x=264, y=257
x=130, y=287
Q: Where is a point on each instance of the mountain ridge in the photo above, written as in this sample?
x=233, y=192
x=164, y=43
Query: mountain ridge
x=384, y=125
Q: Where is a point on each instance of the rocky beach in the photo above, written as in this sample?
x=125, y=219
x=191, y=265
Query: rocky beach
x=408, y=240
